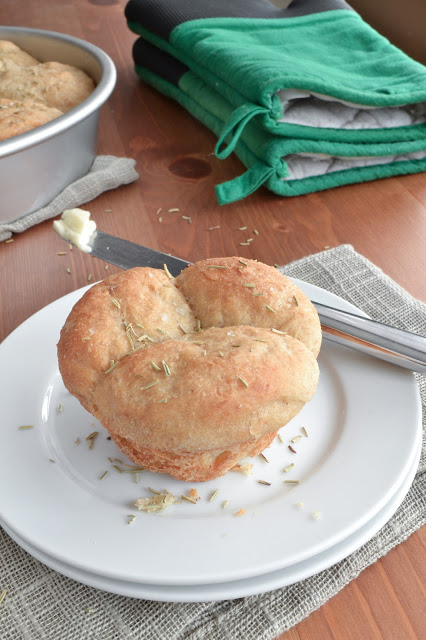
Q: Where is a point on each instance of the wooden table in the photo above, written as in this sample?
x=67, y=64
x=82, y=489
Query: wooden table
x=383, y=220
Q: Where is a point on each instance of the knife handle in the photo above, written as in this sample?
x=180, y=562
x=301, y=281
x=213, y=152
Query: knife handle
x=394, y=345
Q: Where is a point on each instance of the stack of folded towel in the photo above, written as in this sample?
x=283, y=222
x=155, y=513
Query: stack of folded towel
x=309, y=97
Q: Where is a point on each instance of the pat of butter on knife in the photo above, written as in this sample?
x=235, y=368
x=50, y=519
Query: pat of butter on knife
x=76, y=227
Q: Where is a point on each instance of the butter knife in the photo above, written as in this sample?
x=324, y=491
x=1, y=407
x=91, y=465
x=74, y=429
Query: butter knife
x=382, y=341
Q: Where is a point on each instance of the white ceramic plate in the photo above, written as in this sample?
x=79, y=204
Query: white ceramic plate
x=235, y=588
x=363, y=426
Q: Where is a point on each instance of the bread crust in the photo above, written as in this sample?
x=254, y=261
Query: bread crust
x=182, y=395
x=53, y=84
x=19, y=117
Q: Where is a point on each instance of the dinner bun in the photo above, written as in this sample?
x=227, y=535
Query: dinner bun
x=191, y=374
x=20, y=116
x=53, y=84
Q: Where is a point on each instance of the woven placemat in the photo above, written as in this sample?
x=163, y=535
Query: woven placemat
x=40, y=604
x=106, y=172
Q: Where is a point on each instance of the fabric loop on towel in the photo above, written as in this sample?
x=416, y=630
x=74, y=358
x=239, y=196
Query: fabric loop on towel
x=235, y=126
x=247, y=183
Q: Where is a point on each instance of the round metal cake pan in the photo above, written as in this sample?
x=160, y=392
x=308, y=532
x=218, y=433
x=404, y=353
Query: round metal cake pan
x=36, y=166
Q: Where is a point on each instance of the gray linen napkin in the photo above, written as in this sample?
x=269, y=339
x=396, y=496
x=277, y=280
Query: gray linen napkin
x=40, y=604
x=106, y=172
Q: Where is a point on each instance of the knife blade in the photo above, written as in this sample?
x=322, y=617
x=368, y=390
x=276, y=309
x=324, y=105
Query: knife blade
x=374, y=338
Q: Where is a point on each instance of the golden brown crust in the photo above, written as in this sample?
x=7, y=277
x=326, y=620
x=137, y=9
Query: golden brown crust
x=11, y=54
x=19, y=117
x=53, y=84
x=185, y=399
x=230, y=296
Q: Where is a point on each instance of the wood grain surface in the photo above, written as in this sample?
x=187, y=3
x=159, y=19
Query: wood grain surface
x=384, y=220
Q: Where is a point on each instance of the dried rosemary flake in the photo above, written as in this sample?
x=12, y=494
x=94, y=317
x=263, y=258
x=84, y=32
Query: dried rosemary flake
x=159, y=210
x=60, y=253
x=173, y=210
x=157, y=493
x=264, y=458
x=305, y=433
x=26, y=426
x=249, y=286
x=155, y=366
x=260, y=340
x=89, y=277
x=291, y=481
x=106, y=267
x=9, y=241
x=198, y=327
x=280, y=438
x=268, y=484
x=85, y=339
x=288, y=467
x=60, y=408
x=156, y=503
x=258, y=294
x=187, y=218
x=225, y=504
x=188, y=499
x=89, y=610
x=68, y=270
x=105, y=473
x=277, y=266
x=182, y=329
x=136, y=477
x=242, y=228
x=240, y=513
x=244, y=244
x=281, y=333
x=131, y=519
x=213, y=228
x=291, y=449
x=163, y=401
x=3, y=593
x=296, y=439
x=168, y=274
x=51, y=460
x=249, y=240
x=148, y=386
x=161, y=331
x=296, y=301
x=243, y=382
x=269, y=308
x=216, y=266
x=117, y=304
x=244, y=467
x=316, y=515
x=255, y=231
x=243, y=263
x=112, y=366
x=166, y=368
x=91, y=438
x=222, y=355
x=214, y=495
x=129, y=337
x=160, y=219
x=108, y=210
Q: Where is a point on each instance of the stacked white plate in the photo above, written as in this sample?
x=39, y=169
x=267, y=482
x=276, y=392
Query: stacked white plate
x=353, y=468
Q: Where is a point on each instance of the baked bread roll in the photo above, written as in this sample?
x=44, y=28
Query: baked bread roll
x=11, y=54
x=18, y=117
x=191, y=374
x=53, y=84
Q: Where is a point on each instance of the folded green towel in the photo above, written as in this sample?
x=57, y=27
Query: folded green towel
x=286, y=166
x=315, y=70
